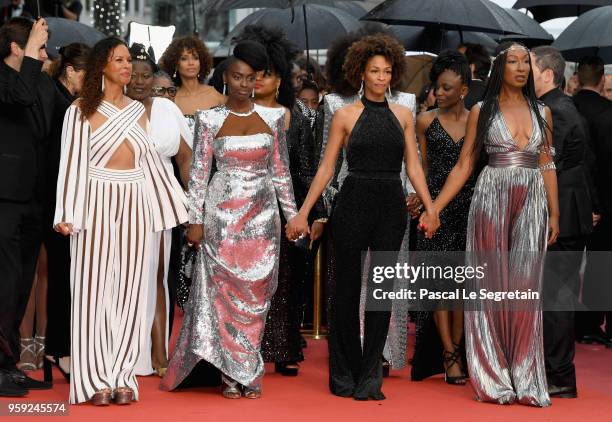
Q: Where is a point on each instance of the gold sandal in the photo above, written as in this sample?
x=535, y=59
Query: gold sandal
x=102, y=397
x=123, y=395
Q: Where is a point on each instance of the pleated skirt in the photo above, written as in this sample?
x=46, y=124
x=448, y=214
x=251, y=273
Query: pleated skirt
x=109, y=276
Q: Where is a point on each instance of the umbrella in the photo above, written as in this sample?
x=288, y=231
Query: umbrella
x=352, y=8
x=543, y=10
x=457, y=15
x=64, y=31
x=589, y=35
x=221, y=5
x=433, y=40
x=327, y=23
x=534, y=34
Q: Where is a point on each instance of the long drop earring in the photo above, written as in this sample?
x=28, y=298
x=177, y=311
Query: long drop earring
x=361, y=90
x=174, y=75
x=224, y=88
x=389, y=92
x=102, y=83
x=253, y=93
x=125, y=89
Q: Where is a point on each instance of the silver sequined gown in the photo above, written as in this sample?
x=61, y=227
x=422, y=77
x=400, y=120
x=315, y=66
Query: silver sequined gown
x=508, y=218
x=236, y=268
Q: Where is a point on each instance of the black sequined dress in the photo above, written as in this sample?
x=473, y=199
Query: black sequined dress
x=442, y=154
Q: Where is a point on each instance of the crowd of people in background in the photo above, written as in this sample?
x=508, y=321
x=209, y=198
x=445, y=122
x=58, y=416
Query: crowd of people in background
x=129, y=185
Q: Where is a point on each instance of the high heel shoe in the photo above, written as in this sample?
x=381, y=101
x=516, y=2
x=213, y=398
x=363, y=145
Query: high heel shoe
x=123, y=395
x=251, y=393
x=39, y=343
x=450, y=359
x=160, y=371
x=463, y=362
x=27, y=356
x=48, y=363
x=230, y=389
x=287, y=369
x=102, y=397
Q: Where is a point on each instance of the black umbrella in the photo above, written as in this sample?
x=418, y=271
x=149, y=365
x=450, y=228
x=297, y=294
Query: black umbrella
x=453, y=15
x=534, y=34
x=543, y=10
x=326, y=24
x=433, y=40
x=65, y=31
x=589, y=35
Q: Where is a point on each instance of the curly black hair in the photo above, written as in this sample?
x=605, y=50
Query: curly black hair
x=281, y=53
x=454, y=61
x=367, y=47
x=169, y=60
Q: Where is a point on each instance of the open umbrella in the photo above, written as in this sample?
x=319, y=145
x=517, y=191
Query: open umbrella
x=447, y=15
x=534, y=34
x=433, y=40
x=543, y=10
x=65, y=31
x=589, y=35
x=327, y=23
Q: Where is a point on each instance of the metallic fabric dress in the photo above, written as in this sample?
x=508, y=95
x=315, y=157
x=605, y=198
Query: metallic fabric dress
x=508, y=218
x=237, y=265
x=395, y=348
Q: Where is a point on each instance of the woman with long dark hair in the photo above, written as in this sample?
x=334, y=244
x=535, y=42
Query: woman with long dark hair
x=172, y=139
x=68, y=71
x=113, y=192
x=370, y=212
x=441, y=133
x=235, y=224
x=513, y=215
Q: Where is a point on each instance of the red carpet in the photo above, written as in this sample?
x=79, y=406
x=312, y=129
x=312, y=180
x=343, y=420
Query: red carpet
x=306, y=398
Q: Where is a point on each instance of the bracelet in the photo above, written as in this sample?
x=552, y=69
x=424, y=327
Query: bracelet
x=321, y=220
x=548, y=166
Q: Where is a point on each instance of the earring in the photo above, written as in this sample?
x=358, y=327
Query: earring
x=102, y=83
x=174, y=76
x=389, y=92
x=361, y=90
x=277, y=89
x=224, y=88
x=462, y=96
x=198, y=76
x=124, y=89
x=253, y=93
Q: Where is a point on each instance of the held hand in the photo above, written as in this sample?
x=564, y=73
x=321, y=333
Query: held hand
x=195, y=235
x=37, y=39
x=553, y=229
x=316, y=231
x=414, y=205
x=429, y=223
x=596, y=219
x=64, y=228
x=297, y=227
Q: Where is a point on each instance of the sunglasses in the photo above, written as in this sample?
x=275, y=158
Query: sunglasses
x=161, y=90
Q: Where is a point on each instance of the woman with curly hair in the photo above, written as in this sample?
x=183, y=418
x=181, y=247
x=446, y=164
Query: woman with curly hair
x=282, y=342
x=189, y=62
x=370, y=211
x=113, y=192
x=513, y=215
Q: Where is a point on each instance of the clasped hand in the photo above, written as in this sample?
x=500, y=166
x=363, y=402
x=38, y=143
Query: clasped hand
x=297, y=227
x=429, y=223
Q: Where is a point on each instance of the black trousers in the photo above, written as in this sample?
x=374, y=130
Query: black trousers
x=369, y=214
x=596, y=282
x=58, y=293
x=561, y=289
x=20, y=239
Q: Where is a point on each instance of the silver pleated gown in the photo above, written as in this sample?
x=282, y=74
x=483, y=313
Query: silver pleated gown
x=237, y=266
x=508, y=218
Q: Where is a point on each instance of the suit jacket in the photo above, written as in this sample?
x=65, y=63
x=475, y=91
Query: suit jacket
x=598, y=113
x=27, y=101
x=570, y=141
x=475, y=94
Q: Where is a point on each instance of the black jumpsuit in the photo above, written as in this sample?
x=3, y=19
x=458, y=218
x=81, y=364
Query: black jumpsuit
x=370, y=213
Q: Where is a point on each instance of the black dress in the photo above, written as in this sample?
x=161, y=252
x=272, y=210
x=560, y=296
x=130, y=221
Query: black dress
x=282, y=342
x=442, y=154
x=370, y=213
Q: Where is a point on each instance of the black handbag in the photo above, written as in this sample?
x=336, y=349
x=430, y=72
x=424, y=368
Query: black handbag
x=188, y=256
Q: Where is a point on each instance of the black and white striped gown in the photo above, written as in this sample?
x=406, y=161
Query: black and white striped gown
x=113, y=213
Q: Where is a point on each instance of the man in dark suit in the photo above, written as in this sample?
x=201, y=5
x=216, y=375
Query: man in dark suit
x=598, y=112
x=480, y=64
x=27, y=99
x=561, y=275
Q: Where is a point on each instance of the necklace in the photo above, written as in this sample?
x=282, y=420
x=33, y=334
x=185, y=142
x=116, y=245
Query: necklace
x=245, y=114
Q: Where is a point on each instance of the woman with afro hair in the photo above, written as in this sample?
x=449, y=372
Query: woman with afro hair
x=370, y=211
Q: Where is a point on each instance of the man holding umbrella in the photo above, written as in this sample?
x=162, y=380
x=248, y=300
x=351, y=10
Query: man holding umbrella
x=561, y=276
x=27, y=99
